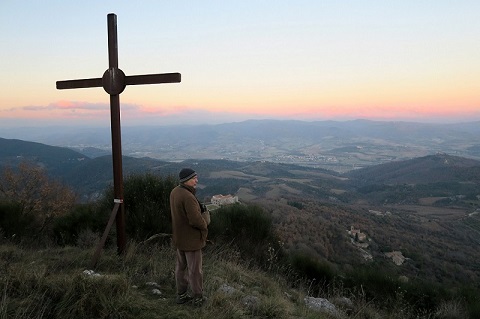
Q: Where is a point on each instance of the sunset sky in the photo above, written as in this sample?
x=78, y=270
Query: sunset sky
x=411, y=60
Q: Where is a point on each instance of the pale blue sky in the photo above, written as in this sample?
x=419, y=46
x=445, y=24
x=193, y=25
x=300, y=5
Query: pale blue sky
x=413, y=60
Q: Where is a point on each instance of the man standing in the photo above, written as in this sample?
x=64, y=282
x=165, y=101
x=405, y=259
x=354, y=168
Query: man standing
x=190, y=231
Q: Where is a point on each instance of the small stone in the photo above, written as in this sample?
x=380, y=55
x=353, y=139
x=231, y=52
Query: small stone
x=321, y=304
x=156, y=291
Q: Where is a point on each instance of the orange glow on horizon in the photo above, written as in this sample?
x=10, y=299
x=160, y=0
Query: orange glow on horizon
x=75, y=110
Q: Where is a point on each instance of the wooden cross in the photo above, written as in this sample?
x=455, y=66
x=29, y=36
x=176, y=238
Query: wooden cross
x=114, y=82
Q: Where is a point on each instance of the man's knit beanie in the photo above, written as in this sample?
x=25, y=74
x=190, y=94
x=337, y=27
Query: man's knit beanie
x=186, y=174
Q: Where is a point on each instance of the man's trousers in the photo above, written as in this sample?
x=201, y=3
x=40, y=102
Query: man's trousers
x=188, y=271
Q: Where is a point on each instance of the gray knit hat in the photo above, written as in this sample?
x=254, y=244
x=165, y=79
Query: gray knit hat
x=186, y=174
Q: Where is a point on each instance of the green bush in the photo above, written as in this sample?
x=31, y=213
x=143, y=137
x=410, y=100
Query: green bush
x=248, y=227
x=30, y=202
x=147, y=204
x=378, y=284
x=241, y=223
x=474, y=309
x=295, y=204
x=424, y=294
x=385, y=287
x=312, y=268
x=13, y=222
x=67, y=228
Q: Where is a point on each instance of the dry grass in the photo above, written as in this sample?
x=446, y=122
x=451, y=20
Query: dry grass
x=52, y=283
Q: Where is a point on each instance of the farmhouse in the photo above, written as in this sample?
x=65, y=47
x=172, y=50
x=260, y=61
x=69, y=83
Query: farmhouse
x=357, y=234
x=224, y=199
x=396, y=256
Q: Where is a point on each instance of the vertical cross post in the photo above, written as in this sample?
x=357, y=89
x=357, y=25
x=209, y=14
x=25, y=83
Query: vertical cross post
x=114, y=82
x=115, y=130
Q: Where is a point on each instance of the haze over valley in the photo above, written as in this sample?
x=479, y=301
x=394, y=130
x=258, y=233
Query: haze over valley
x=335, y=145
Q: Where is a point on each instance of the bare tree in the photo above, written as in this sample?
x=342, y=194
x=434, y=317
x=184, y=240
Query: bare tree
x=30, y=187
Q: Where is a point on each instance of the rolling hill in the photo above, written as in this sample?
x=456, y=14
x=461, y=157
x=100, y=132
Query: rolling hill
x=432, y=168
x=438, y=175
x=56, y=160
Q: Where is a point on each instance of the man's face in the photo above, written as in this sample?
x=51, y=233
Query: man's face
x=192, y=182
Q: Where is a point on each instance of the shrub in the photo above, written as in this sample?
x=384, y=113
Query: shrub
x=378, y=284
x=147, y=204
x=12, y=222
x=423, y=294
x=305, y=265
x=248, y=227
x=474, y=309
x=242, y=223
x=40, y=199
x=295, y=204
x=82, y=218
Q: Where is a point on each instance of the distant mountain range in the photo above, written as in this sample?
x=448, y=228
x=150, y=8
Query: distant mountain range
x=334, y=145
x=440, y=175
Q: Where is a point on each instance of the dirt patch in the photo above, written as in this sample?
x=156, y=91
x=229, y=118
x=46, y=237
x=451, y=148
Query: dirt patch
x=276, y=191
x=236, y=174
x=429, y=200
x=245, y=194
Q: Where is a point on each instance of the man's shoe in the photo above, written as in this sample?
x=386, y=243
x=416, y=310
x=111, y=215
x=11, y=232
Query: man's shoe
x=183, y=298
x=199, y=301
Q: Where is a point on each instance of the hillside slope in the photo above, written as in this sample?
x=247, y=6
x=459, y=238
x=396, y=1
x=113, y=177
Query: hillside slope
x=433, y=168
x=433, y=175
x=57, y=160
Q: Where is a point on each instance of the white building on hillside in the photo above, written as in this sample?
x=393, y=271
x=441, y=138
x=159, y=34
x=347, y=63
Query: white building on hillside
x=224, y=199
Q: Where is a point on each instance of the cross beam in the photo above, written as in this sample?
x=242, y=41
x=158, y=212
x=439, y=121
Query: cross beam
x=114, y=82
